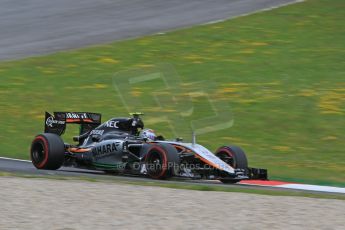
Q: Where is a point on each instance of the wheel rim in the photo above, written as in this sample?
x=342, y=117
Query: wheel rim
x=227, y=157
x=156, y=163
x=39, y=155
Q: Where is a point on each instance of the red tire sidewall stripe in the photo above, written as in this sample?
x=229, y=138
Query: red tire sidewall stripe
x=162, y=153
x=45, y=143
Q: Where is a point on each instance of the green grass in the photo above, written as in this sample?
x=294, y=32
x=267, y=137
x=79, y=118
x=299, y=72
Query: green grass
x=281, y=72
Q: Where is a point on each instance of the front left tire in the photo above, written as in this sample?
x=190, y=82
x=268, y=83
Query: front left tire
x=161, y=160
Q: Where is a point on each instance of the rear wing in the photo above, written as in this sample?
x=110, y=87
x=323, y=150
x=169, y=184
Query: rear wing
x=57, y=123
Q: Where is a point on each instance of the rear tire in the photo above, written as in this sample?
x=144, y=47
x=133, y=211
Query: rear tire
x=47, y=151
x=233, y=156
x=161, y=161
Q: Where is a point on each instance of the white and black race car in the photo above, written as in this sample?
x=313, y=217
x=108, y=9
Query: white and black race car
x=117, y=146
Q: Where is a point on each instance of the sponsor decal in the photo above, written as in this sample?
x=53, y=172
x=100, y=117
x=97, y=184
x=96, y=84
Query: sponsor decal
x=112, y=124
x=76, y=116
x=51, y=121
x=105, y=150
x=97, y=132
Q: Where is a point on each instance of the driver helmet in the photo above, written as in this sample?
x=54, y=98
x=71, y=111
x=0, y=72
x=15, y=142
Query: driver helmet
x=148, y=134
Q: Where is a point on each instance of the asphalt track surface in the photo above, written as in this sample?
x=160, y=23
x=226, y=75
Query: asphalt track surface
x=37, y=27
x=25, y=168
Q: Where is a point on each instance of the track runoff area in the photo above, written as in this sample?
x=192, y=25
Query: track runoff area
x=26, y=167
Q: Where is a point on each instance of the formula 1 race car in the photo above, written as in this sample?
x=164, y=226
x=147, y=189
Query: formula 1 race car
x=122, y=145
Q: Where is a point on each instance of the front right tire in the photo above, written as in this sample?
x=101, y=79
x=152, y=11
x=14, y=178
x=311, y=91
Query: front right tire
x=233, y=156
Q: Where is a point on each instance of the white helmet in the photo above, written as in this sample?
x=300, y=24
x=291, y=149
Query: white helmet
x=148, y=134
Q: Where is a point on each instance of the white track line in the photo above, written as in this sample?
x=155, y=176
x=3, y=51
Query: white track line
x=254, y=12
x=13, y=159
x=309, y=187
x=289, y=185
x=222, y=20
